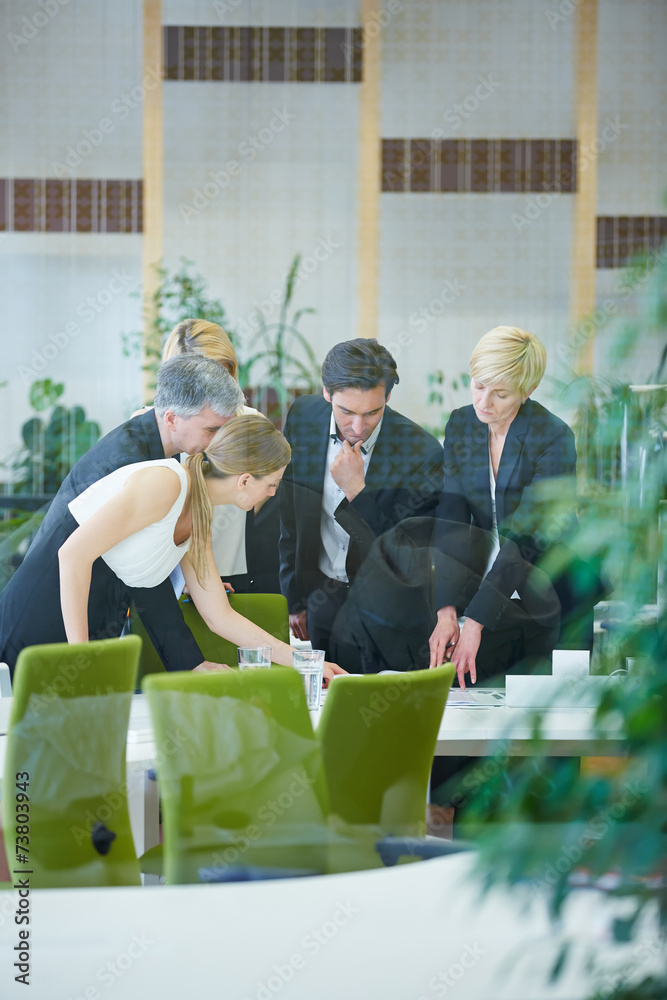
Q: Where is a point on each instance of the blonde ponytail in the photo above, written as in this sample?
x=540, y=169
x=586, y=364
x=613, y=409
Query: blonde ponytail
x=202, y=515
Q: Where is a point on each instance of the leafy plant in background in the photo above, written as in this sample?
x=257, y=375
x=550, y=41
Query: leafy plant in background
x=557, y=827
x=51, y=445
x=613, y=424
x=282, y=356
x=438, y=395
x=179, y=296
x=282, y=352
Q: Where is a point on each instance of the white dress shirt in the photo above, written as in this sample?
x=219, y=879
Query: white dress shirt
x=335, y=540
x=494, y=529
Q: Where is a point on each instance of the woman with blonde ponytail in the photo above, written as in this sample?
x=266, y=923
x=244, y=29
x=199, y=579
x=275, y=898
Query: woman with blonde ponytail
x=145, y=519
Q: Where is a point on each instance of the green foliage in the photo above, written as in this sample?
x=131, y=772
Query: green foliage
x=51, y=445
x=284, y=352
x=281, y=355
x=182, y=295
x=439, y=396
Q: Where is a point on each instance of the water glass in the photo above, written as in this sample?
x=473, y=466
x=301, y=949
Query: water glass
x=310, y=664
x=253, y=657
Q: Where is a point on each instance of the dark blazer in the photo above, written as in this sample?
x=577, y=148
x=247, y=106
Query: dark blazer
x=539, y=446
x=30, y=603
x=404, y=479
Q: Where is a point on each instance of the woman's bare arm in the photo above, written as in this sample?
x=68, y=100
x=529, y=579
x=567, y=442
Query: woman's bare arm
x=212, y=604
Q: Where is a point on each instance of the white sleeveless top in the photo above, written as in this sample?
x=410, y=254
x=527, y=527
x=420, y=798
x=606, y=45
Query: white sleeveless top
x=147, y=557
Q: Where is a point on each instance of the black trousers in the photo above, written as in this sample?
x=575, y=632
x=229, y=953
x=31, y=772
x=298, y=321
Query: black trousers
x=324, y=602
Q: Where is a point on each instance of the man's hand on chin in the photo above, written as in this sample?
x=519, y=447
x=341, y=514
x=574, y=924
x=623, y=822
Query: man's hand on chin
x=347, y=469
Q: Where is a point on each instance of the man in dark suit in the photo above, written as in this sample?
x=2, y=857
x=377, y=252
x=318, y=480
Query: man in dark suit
x=358, y=468
x=194, y=398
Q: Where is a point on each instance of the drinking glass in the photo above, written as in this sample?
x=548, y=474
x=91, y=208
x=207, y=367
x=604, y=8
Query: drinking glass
x=253, y=657
x=310, y=664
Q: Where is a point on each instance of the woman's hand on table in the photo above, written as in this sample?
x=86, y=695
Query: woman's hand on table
x=206, y=667
x=465, y=651
x=444, y=636
x=330, y=671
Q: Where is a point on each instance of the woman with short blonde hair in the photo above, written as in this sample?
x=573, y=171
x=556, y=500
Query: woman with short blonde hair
x=511, y=355
x=495, y=452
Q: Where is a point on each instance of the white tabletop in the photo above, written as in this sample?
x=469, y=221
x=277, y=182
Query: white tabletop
x=392, y=934
x=465, y=730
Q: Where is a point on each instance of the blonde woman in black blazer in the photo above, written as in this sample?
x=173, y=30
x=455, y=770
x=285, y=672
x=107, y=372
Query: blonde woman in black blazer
x=507, y=444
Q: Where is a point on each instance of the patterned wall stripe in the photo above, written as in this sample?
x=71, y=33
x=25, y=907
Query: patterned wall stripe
x=47, y=204
x=479, y=165
x=623, y=238
x=259, y=54
x=50, y=205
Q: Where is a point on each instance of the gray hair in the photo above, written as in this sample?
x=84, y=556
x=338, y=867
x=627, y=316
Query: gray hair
x=189, y=382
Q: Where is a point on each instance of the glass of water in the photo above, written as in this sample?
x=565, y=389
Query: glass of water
x=310, y=664
x=253, y=657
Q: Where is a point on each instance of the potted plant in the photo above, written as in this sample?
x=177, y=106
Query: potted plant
x=284, y=354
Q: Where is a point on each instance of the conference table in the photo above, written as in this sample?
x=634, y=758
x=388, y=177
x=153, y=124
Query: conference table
x=414, y=932
x=475, y=723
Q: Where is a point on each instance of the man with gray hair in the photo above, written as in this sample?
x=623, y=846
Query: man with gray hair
x=194, y=397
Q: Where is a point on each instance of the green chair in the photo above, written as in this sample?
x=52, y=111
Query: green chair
x=246, y=788
x=378, y=734
x=64, y=782
x=267, y=610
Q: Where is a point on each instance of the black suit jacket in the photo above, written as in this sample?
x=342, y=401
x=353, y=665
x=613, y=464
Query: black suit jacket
x=539, y=447
x=30, y=603
x=404, y=479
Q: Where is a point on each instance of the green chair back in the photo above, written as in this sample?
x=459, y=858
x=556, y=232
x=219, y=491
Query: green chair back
x=243, y=784
x=378, y=736
x=66, y=751
x=267, y=610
